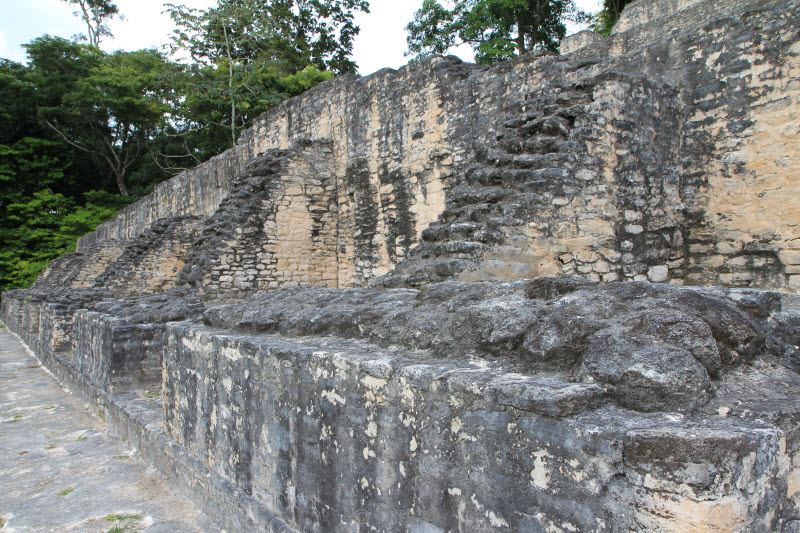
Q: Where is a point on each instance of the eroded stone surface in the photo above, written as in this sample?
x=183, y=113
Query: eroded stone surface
x=448, y=298
x=655, y=347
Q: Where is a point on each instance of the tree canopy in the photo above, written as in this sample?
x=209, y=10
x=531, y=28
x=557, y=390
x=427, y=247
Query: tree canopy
x=248, y=55
x=291, y=34
x=496, y=29
x=114, y=110
x=95, y=14
x=84, y=132
x=609, y=15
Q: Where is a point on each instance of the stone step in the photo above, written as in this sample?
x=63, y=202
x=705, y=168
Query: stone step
x=790, y=302
x=553, y=125
x=530, y=161
x=451, y=248
x=474, y=231
x=468, y=213
x=419, y=271
x=547, y=145
x=515, y=177
x=462, y=195
x=553, y=96
x=515, y=143
x=570, y=98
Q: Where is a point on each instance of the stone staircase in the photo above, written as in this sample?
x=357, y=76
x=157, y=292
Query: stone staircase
x=531, y=166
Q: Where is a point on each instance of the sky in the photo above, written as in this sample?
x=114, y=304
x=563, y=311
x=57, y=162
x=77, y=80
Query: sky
x=381, y=43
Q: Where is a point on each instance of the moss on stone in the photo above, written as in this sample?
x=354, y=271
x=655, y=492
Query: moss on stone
x=114, y=517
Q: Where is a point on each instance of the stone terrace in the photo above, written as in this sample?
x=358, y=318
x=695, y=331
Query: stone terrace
x=556, y=294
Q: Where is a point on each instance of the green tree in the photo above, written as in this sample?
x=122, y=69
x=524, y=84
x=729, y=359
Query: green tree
x=113, y=112
x=249, y=55
x=55, y=66
x=95, y=14
x=495, y=29
x=80, y=128
x=609, y=15
x=225, y=100
x=291, y=33
x=46, y=185
x=39, y=229
x=31, y=159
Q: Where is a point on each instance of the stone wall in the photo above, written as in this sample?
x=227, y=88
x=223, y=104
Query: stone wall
x=333, y=326
x=388, y=151
x=745, y=121
x=648, y=172
x=281, y=228
x=291, y=398
x=195, y=192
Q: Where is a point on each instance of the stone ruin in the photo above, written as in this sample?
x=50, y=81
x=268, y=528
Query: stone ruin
x=557, y=294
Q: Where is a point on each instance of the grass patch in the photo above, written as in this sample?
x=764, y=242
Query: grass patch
x=152, y=394
x=65, y=492
x=82, y=438
x=122, y=517
x=122, y=457
x=116, y=530
x=14, y=419
x=2, y=522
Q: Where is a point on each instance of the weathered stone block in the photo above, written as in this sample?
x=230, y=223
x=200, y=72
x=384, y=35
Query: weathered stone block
x=658, y=273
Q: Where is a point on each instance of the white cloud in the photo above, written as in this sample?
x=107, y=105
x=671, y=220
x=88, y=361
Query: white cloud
x=382, y=41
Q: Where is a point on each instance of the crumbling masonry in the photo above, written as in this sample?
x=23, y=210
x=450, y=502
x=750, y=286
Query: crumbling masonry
x=557, y=294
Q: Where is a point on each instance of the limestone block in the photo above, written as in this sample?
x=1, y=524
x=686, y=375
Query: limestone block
x=658, y=273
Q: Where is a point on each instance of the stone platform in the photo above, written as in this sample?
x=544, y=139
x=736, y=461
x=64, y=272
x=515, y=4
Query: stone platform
x=556, y=294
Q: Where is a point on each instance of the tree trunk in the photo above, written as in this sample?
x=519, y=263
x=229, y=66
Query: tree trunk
x=520, y=37
x=120, y=178
x=231, y=92
x=91, y=32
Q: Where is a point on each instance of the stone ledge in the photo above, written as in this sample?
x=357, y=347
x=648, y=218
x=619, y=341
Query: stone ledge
x=139, y=421
x=364, y=419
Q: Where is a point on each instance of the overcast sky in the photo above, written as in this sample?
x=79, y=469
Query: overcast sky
x=381, y=43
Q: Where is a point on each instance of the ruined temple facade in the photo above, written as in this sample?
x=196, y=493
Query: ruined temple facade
x=556, y=294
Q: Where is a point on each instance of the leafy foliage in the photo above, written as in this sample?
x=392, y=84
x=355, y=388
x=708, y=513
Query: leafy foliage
x=113, y=111
x=39, y=229
x=609, y=15
x=292, y=34
x=83, y=132
x=496, y=29
x=95, y=14
x=249, y=55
